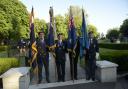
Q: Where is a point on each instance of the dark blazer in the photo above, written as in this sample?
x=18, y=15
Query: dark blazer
x=93, y=46
x=42, y=51
x=60, y=51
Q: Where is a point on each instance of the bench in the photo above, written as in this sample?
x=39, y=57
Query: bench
x=16, y=78
x=106, y=71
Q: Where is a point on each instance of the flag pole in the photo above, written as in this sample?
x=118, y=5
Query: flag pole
x=72, y=51
x=55, y=38
x=33, y=45
x=51, y=13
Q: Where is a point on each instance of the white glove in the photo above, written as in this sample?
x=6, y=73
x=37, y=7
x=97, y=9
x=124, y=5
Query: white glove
x=97, y=56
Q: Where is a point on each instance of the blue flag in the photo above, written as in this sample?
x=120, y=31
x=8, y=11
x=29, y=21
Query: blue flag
x=84, y=40
x=33, y=48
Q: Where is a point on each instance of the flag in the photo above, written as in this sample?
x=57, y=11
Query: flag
x=84, y=40
x=71, y=33
x=51, y=31
x=33, y=62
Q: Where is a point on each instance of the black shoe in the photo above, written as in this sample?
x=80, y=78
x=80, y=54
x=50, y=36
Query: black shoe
x=75, y=78
x=87, y=78
x=93, y=79
x=48, y=81
x=39, y=81
x=63, y=80
x=58, y=80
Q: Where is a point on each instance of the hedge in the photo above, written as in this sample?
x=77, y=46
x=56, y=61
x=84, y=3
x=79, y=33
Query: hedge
x=122, y=46
x=7, y=63
x=3, y=48
x=117, y=56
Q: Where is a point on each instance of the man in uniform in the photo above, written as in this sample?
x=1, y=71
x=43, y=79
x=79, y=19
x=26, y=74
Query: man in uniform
x=42, y=57
x=73, y=56
x=60, y=51
x=21, y=46
x=91, y=57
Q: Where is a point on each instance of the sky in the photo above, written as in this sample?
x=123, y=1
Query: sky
x=104, y=14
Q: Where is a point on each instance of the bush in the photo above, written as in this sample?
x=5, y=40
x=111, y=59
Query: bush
x=3, y=48
x=7, y=63
x=117, y=56
x=122, y=46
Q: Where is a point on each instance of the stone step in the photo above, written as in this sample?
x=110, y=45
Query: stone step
x=59, y=84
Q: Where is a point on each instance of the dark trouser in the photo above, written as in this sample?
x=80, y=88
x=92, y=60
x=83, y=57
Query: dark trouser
x=60, y=70
x=73, y=65
x=26, y=61
x=46, y=66
x=90, y=66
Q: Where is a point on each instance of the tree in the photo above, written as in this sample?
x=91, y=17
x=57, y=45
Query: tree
x=13, y=19
x=124, y=28
x=39, y=26
x=113, y=34
x=93, y=29
x=61, y=27
x=4, y=26
x=102, y=36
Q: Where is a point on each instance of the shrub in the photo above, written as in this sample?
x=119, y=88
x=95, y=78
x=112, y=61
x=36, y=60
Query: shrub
x=122, y=46
x=3, y=48
x=7, y=63
x=117, y=56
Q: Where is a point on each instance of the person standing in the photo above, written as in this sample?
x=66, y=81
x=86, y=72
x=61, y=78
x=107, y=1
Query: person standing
x=91, y=57
x=73, y=56
x=21, y=46
x=60, y=52
x=42, y=57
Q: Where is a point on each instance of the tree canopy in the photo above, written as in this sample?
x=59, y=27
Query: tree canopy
x=113, y=33
x=61, y=26
x=77, y=14
x=124, y=28
x=40, y=25
x=13, y=19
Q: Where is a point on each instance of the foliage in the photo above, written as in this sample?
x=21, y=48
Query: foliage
x=61, y=27
x=3, y=48
x=117, y=56
x=122, y=46
x=39, y=25
x=104, y=41
x=77, y=14
x=93, y=29
x=102, y=36
x=13, y=19
x=113, y=33
x=7, y=63
x=124, y=28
